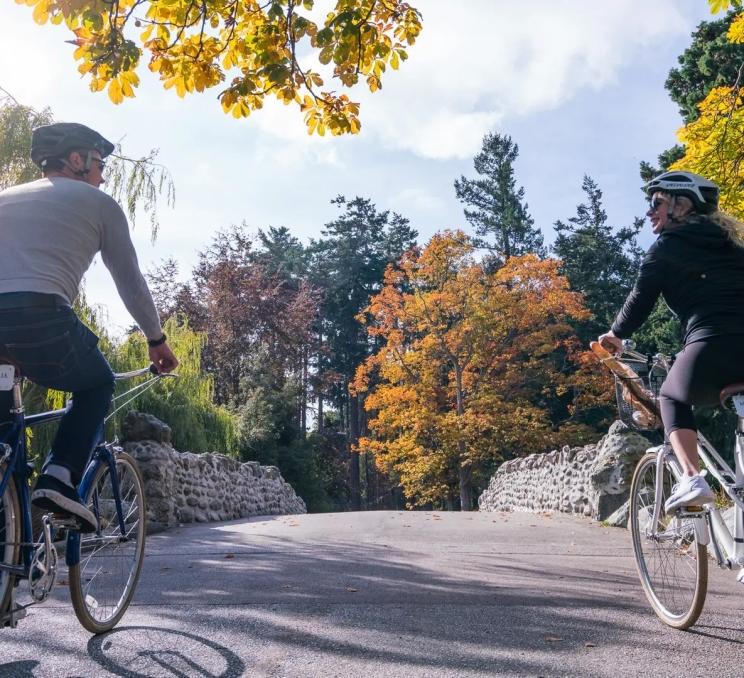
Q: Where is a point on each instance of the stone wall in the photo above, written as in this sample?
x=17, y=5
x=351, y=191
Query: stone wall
x=183, y=487
x=593, y=480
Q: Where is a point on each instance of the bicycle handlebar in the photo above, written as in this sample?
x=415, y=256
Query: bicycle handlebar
x=150, y=369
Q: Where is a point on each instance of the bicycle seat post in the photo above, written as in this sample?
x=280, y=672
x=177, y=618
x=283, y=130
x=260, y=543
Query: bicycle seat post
x=17, y=396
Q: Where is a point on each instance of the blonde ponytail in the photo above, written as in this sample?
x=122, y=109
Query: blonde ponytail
x=733, y=227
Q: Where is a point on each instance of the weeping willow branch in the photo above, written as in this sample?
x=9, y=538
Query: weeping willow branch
x=136, y=183
x=140, y=182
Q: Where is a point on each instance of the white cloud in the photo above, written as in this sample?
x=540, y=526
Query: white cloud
x=418, y=198
x=479, y=62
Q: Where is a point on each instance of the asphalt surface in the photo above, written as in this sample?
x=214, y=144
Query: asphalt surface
x=385, y=594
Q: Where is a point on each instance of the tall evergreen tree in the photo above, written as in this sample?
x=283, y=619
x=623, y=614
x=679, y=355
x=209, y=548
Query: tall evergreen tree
x=496, y=207
x=711, y=60
x=348, y=265
x=599, y=261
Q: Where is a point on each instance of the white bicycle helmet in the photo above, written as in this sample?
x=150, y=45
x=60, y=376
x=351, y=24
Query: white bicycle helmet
x=703, y=193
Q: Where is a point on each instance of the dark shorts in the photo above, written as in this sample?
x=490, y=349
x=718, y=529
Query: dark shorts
x=700, y=372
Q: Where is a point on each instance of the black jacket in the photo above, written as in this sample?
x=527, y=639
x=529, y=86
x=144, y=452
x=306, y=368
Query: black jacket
x=700, y=274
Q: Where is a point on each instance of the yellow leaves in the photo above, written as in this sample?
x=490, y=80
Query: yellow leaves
x=115, y=92
x=119, y=87
x=41, y=11
x=714, y=146
x=193, y=46
x=736, y=29
x=719, y=5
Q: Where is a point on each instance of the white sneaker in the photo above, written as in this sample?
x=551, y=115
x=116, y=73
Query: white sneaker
x=689, y=491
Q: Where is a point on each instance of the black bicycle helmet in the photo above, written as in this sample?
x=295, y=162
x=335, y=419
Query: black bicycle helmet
x=703, y=193
x=61, y=138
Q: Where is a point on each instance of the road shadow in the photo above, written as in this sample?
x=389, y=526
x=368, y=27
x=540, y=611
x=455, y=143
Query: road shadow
x=20, y=669
x=352, y=602
x=142, y=651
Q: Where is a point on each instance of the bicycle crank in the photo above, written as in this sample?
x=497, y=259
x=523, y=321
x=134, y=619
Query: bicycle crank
x=43, y=572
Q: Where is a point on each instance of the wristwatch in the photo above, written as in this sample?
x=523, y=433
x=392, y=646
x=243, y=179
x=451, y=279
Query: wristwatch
x=152, y=343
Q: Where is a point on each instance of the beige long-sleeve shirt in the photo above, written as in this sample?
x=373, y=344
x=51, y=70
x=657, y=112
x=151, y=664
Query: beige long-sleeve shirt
x=51, y=229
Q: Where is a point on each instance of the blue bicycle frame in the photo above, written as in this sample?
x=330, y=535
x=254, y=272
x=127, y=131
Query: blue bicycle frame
x=18, y=471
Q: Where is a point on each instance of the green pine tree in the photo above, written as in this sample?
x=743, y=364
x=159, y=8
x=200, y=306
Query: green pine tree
x=495, y=206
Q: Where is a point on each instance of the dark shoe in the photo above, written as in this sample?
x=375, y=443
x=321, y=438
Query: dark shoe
x=54, y=496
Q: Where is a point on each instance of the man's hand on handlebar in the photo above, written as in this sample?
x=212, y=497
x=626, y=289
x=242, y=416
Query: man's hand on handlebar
x=612, y=343
x=162, y=357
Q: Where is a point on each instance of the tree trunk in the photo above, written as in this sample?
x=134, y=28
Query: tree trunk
x=463, y=473
x=303, y=397
x=319, y=377
x=352, y=439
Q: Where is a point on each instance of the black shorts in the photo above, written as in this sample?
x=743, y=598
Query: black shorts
x=697, y=377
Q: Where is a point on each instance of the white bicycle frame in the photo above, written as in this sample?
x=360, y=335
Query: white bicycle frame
x=709, y=524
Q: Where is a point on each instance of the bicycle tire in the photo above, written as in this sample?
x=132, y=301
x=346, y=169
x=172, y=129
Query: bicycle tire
x=10, y=538
x=105, y=577
x=672, y=566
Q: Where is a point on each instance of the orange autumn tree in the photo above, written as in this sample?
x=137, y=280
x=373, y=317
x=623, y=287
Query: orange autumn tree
x=470, y=369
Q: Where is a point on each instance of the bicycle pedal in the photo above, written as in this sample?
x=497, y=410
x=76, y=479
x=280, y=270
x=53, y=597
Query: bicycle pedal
x=64, y=522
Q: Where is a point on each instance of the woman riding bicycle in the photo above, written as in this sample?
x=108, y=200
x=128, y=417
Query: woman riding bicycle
x=697, y=265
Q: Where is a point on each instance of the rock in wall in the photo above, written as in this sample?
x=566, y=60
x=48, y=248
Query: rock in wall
x=593, y=480
x=183, y=487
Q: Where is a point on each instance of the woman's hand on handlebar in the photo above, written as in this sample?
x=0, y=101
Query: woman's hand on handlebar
x=612, y=343
x=163, y=359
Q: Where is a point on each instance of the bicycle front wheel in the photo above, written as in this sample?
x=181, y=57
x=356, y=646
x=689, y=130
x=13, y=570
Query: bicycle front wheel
x=110, y=560
x=672, y=565
x=10, y=538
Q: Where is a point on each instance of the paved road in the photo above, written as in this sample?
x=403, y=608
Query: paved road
x=385, y=594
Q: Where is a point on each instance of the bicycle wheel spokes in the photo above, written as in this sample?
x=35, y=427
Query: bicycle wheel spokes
x=672, y=566
x=103, y=582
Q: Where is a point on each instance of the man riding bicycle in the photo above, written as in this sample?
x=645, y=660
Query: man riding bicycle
x=50, y=230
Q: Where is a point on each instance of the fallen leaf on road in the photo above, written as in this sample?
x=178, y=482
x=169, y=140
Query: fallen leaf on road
x=229, y=556
x=62, y=582
x=286, y=586
x=351, y=589
x=589, y=645
x=553, y=639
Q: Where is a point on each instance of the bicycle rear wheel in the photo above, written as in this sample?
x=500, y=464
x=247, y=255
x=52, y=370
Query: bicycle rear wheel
x=10, y=538
x=110, y=561
x=672, y=565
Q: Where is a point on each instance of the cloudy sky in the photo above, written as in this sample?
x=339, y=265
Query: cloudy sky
x=578, y=85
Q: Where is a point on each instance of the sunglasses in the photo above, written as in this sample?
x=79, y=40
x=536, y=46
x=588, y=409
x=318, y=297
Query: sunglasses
x=656, y=203
x=101, y=163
